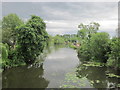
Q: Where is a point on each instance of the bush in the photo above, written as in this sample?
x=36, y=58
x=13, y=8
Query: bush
x=9, y=57
x=99, y=47
x=84, y=51
x=96, y=48
x=4, y=55
x=114, y=55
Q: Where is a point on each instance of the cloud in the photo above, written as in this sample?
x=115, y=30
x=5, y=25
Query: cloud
x=64, y=17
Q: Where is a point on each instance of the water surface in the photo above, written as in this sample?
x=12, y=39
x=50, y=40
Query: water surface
x=58, y=67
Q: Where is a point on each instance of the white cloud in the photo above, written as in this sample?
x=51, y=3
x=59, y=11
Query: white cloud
x=65, y=17
x=62, y=27
x=109, y=24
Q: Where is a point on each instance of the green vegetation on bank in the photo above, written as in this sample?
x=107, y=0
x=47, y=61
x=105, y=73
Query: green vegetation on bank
x=98, y=47
x=31, y=39
x=23, y=42
x=93, y=46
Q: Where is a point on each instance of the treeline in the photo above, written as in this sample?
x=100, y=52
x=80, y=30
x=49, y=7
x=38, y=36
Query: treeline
x=70, y=40
x=22, y=42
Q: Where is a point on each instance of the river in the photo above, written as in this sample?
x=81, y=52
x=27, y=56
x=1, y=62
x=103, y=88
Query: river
x=60, y=68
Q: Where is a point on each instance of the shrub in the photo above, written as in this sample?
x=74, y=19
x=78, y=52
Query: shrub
x=96, y=48
x=99, y=47
x=114, y=55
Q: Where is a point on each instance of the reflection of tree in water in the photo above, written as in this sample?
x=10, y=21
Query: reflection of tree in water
x=96, y=76
x=58, y=46
x=49, y=48
x=24, y=77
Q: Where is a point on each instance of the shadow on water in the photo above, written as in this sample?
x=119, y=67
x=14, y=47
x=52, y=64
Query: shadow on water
x=24, y=77
x=29, y=76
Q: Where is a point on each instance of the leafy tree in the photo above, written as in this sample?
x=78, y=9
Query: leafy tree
x=99, y=47
x=87, y=30
x=84, y=51
x=85, y=34
x=82, y=33
x=9, y=24
x=96, y=49
x=31, y=39
x=114, y=55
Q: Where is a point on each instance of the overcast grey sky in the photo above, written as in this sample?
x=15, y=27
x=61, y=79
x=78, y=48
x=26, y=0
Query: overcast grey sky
x=64, y=17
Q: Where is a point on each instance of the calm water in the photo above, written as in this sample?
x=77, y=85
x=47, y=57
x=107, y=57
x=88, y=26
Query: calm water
x=58, y=67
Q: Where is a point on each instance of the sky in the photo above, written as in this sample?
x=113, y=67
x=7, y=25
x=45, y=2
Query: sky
x=64, y=17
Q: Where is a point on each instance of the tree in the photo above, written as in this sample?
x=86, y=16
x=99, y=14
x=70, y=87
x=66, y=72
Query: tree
x=99, y=47
x=82, y=33
x=31, y=39
x=114, y=55
x=87, y=30
x=9, y=24
x=96, y=49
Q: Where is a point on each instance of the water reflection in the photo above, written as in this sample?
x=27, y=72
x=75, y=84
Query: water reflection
x=97, y=76
x=56, y=67
x=58, y=63
x=24, y=77
x=47, y=72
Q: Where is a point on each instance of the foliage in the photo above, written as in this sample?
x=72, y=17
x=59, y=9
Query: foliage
x=97, y=76
x=31, y=39
x=99, y=47
x=70, y=38
x=9, y=58
x=82, y=33
x=114, y=55
x=118, y=85
x=9, y=24
x=95, y=49
x=84, y=51
x=3, y=55
x=87, y=30
x=58, y=40
x=71, y=81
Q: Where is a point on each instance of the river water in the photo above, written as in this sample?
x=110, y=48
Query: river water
x=60, y=68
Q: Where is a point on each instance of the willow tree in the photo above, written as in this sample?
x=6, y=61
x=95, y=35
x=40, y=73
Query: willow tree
x=31, y=39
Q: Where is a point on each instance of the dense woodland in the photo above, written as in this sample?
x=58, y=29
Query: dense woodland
x=23, y=42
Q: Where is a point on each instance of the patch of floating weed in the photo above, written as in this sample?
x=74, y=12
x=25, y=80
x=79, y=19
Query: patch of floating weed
x=118, y=85
x=111, y=75
x=72, y=81
x=94, y=64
